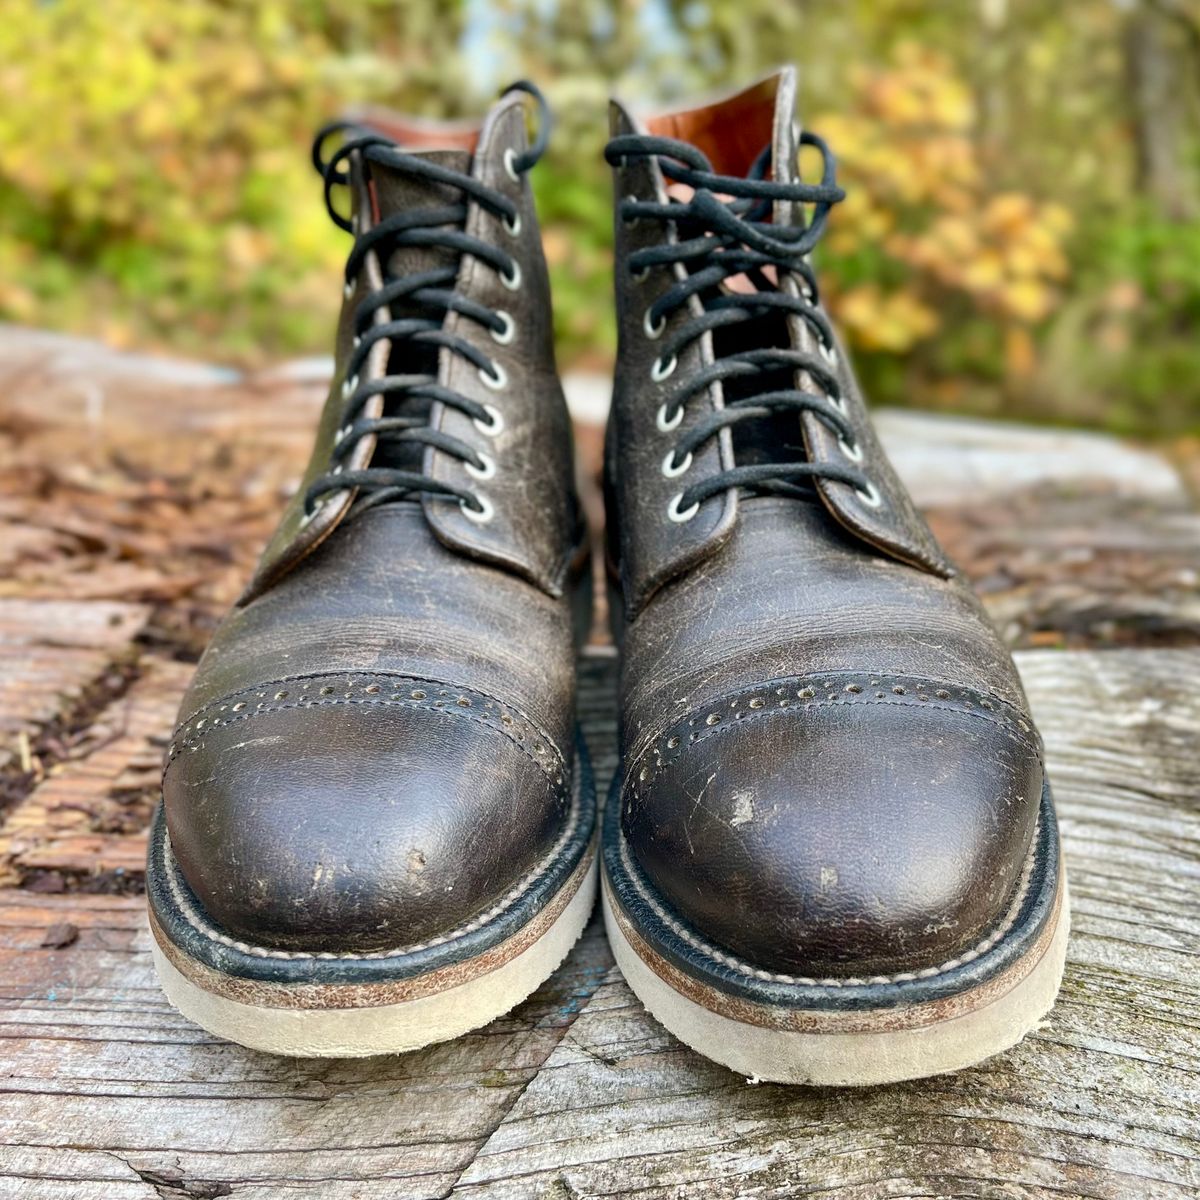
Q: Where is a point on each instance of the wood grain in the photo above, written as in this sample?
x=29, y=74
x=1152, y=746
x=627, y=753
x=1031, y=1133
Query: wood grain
x=578, y=1093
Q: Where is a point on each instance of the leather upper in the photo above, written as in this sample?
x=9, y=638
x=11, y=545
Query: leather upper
x=378, y=743
x=828, y=764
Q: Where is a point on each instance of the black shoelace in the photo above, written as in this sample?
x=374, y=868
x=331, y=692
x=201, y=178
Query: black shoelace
x=719, y=239
x=427, y=297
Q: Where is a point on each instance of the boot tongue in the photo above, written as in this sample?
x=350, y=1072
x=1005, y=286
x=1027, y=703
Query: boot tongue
x=395, y=192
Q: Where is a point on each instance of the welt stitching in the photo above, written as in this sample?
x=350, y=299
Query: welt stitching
x=196, y=920
x=1010, y=919
x=222, y=723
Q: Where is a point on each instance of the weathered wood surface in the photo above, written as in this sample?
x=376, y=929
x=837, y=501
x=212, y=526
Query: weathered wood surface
x=134, y=495
x=578, y=1093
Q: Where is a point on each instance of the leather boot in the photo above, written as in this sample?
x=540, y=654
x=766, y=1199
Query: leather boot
x=377, y=812
x=831, y=853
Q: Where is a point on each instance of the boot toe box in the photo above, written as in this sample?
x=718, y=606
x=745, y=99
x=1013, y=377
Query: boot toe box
x=359, y=814
x=840, y=827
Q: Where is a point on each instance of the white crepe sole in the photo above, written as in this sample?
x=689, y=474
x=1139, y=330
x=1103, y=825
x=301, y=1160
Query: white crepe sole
x=864, y=1056
x=384, y=1028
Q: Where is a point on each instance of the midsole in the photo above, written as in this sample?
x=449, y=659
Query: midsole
x=816, y=1019
x=335, y=995
x=877, y=1049
x=393, y=1026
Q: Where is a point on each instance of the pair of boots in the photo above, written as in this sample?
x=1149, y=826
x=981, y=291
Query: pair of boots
x=830, y=853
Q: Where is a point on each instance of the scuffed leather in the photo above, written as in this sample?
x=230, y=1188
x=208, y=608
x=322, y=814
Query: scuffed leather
x=650, y=548
x=378, y=743
x=375, y=819
x=783, y=800
x=536, y=523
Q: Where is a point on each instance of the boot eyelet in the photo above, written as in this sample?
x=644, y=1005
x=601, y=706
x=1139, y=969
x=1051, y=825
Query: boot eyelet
x=629, y=198
x=349, y=387
x=496, y=378
x=653, y=331
x=839, y=402
x=343, y=433
x=663, y=370
x=349, y=288
x=513, y=227
x=640, y=276
x=510, y=165
x=512, y=277
x=310, y=516
x=505, y=335
x=853, y=451
x=681, y=516
x=492, y=426
x=481, y=515
x=665, y=422
x=870, y=495
x=356, y=343
x=670, y=468
x=486, y=471
x=828, y=353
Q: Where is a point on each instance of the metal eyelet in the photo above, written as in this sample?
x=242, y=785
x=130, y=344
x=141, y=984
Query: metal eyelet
x=343, y=433
x=349, y=387
x=486, y=471
x=666, y=423
x=496, y=378
x=310, y=516
x=670, y=468
x=510, y=165
x=680, y=516
x=853, y=452
x=513, y=227
x=839, y=402
x=828, y=353
x=630, y=221
x=512, y=279
x=652, y=331
x=503, y=336
x=492, y=427
x=640, y=276
x=357, y=342
x=481, y=515
x=349, y=288
x=663, y=370
x=870, y=495
x=338, y=469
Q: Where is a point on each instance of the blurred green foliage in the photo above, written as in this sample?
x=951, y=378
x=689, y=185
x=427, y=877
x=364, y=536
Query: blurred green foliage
x=1022, y=233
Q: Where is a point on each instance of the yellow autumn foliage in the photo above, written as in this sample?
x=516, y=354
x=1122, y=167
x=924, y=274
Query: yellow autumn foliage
x=917, y=196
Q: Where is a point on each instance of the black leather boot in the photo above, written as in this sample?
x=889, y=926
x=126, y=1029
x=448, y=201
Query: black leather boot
x=831, y=854
x=377, y=814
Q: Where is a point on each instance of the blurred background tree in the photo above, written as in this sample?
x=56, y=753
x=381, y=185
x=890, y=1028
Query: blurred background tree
x=1022, y=234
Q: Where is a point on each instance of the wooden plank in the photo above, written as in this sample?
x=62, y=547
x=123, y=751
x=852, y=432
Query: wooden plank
x=578, y=1093
x=947, y=459
x=90, y=814
x=1080, y=569
x=1101, y=1102
x=107, y=1083
x=52, y=655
